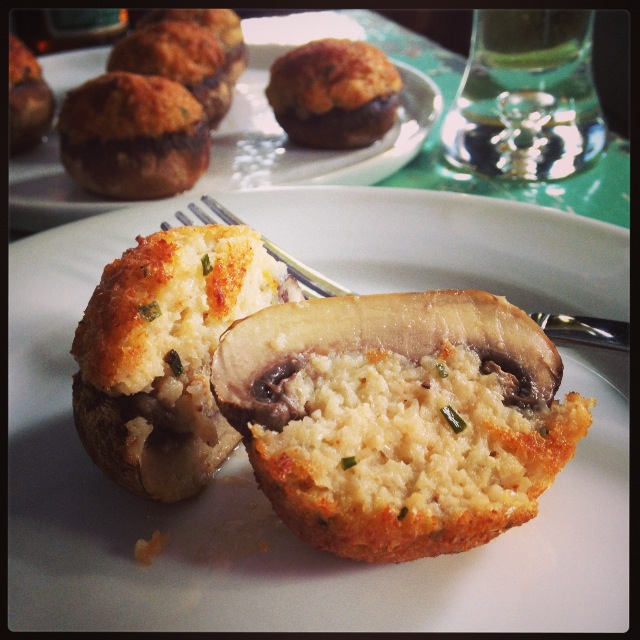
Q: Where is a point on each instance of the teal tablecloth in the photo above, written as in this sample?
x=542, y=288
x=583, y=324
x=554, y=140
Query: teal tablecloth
x=602, y=192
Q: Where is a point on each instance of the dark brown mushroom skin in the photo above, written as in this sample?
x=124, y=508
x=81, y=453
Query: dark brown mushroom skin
x=248, y=372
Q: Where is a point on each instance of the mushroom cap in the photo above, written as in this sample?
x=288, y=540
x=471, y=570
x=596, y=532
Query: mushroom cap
x=267, y=345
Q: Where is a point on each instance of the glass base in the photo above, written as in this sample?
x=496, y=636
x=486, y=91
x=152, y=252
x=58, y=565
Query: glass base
x=553, y=152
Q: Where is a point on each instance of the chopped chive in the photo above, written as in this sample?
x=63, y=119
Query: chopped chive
x=441, y=370
x=173, y=360
x=206, y=265
x=403, y=513
x=150, y=311
x=349, y=462
x=455, y=421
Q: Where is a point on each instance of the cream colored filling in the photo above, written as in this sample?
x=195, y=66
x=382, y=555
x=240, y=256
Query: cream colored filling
x=385, y=411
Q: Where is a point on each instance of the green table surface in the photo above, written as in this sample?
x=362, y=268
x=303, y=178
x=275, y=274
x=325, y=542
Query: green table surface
x=601, y=192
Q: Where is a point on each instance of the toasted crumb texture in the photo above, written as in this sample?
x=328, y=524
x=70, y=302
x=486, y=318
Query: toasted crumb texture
x=145, y=551
x=132, y=137
x=375, y=471
x=156, y=298
x=23, y=65
x=126, y=106
x=142, y=400
x=330, y=73
x=224, y=23
x=334, y=94
x=182, y=51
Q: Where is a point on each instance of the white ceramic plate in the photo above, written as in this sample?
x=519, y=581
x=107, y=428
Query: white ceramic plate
x=230, y=564
x=249, y=149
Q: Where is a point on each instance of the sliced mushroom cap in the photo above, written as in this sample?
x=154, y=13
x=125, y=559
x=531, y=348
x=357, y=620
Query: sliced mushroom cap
x=258, y=352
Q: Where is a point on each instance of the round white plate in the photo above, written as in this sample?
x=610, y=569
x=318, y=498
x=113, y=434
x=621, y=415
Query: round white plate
x=249, y=149
x=230, y=565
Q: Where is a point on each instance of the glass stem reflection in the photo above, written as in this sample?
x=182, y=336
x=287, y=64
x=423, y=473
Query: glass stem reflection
x=527, y=107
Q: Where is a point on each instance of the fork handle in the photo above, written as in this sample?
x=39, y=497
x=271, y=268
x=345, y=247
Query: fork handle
x=594, y=332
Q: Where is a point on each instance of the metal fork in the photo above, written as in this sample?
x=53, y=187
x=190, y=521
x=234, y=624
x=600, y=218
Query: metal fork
x=612, y=335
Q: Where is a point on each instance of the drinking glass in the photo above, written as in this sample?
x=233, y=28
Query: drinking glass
x=527, y=106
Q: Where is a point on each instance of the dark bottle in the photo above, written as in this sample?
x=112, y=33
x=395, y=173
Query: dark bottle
x=52, y=30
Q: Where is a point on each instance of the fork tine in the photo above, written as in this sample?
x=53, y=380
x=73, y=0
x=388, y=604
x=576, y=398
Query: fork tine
x=221, y=211
x=186, y=221
x=202, y=215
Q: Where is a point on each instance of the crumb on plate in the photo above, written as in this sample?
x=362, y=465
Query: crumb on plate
x=145, y=551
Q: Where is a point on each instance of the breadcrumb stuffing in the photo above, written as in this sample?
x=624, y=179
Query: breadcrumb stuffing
x=23, y=65
x=145, y=551
x=130, y=106
x=329, y=73
x=374, y=470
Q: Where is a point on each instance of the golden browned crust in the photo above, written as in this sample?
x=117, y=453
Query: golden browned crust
x=142, y=400
x=170, y=467
x=330, y=73
x=23, y=65
x=31, y=101
x=225, y=24
x=126, y=106
x=114, y=337
x=382, y=536
x=334, y=93
x=133, y=137
x=183, y=52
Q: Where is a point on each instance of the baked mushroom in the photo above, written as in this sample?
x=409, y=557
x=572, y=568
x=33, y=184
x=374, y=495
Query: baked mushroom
x=392, y=427
x=251, y=366
x=31, y=100
x=142, y=401
x=334, y=93
x=225, y=24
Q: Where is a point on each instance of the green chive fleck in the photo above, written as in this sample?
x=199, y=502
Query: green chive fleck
x=173, y=360
x=150, y=311
x=349, y=462
x=206, y=265
x=403, y=513
x=455, y=421
x=441, y=370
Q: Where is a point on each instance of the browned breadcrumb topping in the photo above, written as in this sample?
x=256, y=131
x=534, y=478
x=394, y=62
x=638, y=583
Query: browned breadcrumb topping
x=224, y=23
x=182, y=51
x=120, y=106
x=323, y=74
x=112, y=336
x=145, y=551
x=23, y=65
